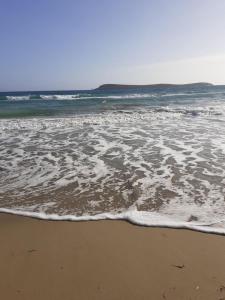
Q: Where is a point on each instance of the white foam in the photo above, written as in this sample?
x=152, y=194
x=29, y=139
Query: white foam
x=130, y=96
x=90, y=96
x=143, y=218
x=112, y=162
x=60, y=97
x=18, y=98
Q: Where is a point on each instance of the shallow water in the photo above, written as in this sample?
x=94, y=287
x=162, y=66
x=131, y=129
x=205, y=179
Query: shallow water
x=154, y=158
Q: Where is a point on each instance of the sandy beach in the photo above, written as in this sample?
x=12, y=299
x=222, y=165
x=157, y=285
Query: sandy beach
x=107, y=260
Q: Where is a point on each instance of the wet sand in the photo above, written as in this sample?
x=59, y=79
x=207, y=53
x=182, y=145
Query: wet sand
x=107, y=260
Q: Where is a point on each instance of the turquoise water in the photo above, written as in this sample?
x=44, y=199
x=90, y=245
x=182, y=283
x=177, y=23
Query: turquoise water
x=68, y=103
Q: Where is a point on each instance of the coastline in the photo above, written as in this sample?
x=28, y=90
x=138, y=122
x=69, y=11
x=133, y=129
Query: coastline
x=140, y=218
x=107, y=260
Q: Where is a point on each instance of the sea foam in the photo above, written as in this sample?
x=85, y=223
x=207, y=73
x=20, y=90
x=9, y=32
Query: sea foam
x=143, y=218
x=162, y=165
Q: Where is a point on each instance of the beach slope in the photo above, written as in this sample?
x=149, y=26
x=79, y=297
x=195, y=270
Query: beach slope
x=107, y=260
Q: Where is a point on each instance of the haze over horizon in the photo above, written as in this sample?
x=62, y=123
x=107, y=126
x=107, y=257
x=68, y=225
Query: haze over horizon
x=59, y=45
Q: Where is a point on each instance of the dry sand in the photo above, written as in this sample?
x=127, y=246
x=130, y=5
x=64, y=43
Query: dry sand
x=107, y=260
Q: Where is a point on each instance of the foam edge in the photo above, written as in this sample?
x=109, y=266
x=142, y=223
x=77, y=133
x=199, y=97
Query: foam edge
x=142, y=218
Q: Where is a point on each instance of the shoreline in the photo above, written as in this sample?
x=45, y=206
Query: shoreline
x=137, y=218
x=107, y=260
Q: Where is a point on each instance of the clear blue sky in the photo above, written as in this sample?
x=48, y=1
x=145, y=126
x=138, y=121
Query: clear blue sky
x=78, y=44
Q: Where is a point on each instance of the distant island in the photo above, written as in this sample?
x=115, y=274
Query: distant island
x=153, y=86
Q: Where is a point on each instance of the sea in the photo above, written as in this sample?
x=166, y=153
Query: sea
x=151, y=156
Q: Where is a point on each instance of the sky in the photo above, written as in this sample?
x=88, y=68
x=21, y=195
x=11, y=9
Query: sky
x=80, y=44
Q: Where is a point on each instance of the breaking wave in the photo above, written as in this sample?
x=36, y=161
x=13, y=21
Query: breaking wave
x=75, y=97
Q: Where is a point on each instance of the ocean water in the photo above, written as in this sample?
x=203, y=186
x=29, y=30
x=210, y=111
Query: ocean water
x=155, y=157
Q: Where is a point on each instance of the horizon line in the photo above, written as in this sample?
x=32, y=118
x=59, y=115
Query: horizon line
x=119, y=84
